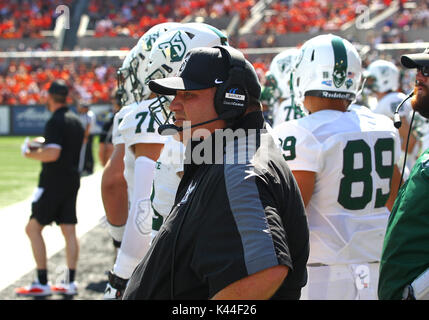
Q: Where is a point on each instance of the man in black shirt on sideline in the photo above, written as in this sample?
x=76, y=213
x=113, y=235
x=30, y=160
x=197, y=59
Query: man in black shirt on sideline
x=238, y=228
x=55, y=198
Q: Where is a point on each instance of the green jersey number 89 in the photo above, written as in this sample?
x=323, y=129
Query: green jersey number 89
x=362, y=175
x=352, y=174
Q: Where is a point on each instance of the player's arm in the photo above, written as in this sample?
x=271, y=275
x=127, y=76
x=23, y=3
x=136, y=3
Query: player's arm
x=258, y=286
x=104, y=152
x=114, y=187
x=148, y=150
x=305, y=181
x=44, y=154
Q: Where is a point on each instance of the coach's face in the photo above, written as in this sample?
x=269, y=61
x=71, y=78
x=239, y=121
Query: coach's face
x=420, y=101
x=195, y=107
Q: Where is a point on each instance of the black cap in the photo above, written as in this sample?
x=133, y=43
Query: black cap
x=416, y=60
x=204, y=68
x=58, y=87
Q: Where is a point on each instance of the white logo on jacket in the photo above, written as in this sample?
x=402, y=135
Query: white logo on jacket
x=188, y=192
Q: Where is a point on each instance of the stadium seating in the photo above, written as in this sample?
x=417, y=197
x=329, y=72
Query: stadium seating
x=24, y=82
x=118, y=24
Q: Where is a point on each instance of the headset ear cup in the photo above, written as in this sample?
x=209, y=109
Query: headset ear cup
x=218, y=99
x=231, y=97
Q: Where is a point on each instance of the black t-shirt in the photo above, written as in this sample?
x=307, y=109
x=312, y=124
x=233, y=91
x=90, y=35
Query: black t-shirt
x=229, y=221
x=63, y=130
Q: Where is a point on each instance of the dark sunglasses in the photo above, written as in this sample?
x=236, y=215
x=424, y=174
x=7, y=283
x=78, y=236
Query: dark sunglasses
x=424, y=70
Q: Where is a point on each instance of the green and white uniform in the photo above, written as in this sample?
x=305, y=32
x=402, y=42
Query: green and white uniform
x=286, y=111
x=117, y=138
x=137, y=127
x=353, y=154
x=166, y=181
x=406, y=245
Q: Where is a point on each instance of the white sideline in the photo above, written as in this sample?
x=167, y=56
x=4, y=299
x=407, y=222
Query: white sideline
x=15, y=249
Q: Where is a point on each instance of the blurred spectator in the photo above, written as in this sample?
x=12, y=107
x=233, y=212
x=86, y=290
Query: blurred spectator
x=88, y=120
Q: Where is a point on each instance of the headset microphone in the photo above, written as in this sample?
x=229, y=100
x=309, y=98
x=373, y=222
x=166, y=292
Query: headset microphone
x=171, y=129
x=397, y=123
x=396, y=117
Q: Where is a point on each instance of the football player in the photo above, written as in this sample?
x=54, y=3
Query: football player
x=117, y=181
x=289, y=107
x=113, y=185
x=270, y=96
x=344, y=161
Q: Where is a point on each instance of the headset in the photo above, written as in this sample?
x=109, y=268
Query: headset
x=231, y=97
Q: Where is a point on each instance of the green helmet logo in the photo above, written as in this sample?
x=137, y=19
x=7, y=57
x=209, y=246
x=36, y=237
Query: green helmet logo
x=148, y=41
x=174, y=49
x=340, y=68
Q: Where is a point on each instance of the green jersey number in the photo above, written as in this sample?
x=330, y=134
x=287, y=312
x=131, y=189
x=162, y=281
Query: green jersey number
x=288, y=145
x=359, y=148
x=294, y=111
x=143, y=116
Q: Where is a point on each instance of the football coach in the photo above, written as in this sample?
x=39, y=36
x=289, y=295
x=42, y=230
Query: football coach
x=238, y=228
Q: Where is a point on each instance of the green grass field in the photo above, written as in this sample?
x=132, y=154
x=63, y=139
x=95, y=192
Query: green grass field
x=19, y=175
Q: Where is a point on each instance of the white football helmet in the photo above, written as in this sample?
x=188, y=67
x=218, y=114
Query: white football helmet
x=124, y=78
x=385, y=74
x=328, y=66
x=281, y=67
x=140, y=60
x=168, y=52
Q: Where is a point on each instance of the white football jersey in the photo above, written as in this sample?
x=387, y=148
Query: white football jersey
x=286, y=111
x=119, y=116
x=388, y=104
x=353, y=154
x=166, y=180
x=137, y=126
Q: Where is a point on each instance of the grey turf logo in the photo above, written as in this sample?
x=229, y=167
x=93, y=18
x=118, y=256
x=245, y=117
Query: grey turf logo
x=64, y=14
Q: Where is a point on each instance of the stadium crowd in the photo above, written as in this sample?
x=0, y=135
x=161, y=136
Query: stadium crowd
x=24, y=82
x=94, y=79
x=25, y=19
x=133, y=18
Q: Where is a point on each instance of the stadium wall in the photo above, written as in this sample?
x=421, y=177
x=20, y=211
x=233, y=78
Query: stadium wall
x=21, y=120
